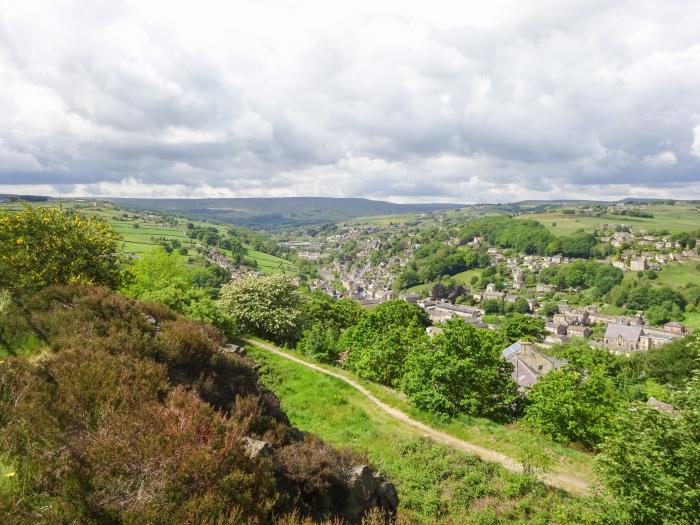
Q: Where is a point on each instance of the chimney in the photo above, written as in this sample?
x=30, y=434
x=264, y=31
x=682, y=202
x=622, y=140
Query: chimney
x=526, y=347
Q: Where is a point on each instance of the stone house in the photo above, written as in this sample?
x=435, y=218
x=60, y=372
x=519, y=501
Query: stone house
x=623, y=339
x=576, y=330
x=555, y=328
x=529, y=364
x=638, y=264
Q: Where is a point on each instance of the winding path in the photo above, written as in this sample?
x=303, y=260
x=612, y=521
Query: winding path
x=562, y=481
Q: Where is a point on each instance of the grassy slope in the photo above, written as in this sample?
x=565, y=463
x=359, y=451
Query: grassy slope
x=671, y=218
x=433, y=482
x=677, y=275
x=460, y=278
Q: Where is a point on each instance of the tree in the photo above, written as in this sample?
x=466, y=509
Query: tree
x=460, y=371
x=518, y=326
x=549, y=308
x=672, y=364
x=320, y=342
x=43, y=246
x=570, y=406
x=321, y=308
x=583, y=358
x=378, y=344
x=493, y=306
x=650, y=463
x=269, y=306
x=165, y=278
x=520, y=305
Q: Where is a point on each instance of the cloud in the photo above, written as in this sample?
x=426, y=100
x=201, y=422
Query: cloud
x=660, y=160
x=451, y=101
x=695, y=148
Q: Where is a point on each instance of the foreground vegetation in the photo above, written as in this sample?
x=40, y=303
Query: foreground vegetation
x=434, y=482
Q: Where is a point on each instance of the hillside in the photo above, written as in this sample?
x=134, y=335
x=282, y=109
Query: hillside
x=283, y=211
x=124, y=412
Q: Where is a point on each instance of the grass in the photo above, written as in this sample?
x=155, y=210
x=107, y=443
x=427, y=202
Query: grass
x=679, y=275
x=8, y=482
x=510, y=440
x=465, y=277
x=692, y=320
x=460, y=278
x=433, y=481
x=27, y=347
x=666, y=217
x=381, y=220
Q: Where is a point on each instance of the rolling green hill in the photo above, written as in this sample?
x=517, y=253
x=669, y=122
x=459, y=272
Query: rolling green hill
x=278, y=212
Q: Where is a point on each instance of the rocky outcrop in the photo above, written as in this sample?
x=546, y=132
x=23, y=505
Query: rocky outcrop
x=367, y=490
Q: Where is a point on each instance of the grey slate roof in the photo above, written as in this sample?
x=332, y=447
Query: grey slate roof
x=628, y=333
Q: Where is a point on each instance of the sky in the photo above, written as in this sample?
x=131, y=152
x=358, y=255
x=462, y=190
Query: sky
x=431, y=101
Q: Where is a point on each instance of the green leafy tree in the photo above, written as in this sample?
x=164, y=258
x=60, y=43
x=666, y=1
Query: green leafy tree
x=378, y=344
x=43, y=246
x=320, y=342
x=567, y=405
x=461, y=371
x=583, y=358
x=650, y=463
x=324, y=309
x=672, y=364
x=518, y=326
x=270, y=306
x=165, y=278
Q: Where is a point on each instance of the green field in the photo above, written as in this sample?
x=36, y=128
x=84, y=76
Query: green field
x=679, y=276
x=381, y=220
x=434, y=482
x=674, y=218
x=465, y=277
x=460, y=278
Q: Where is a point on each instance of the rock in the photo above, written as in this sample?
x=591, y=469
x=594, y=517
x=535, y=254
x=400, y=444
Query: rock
x=256, y=447
x=366, y=491
x=661, y=406
x=233, y=349
x=152, y=321
x=388, y=498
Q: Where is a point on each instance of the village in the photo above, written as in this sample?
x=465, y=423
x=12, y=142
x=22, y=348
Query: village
x=635, y=251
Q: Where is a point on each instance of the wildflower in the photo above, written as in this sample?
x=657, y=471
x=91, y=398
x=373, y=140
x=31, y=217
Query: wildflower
x=11, y=474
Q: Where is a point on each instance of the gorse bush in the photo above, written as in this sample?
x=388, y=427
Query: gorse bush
x=43, y=246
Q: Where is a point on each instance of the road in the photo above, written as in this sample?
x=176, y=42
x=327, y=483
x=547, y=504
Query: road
x=558, y=480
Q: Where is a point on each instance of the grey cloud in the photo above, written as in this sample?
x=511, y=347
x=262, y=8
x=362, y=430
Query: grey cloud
x=552, y=99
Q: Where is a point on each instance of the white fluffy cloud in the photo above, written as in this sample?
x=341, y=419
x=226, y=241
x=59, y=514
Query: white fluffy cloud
x=449, y=101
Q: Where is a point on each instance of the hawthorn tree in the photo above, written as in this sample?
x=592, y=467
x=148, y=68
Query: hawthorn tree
x=270, y=306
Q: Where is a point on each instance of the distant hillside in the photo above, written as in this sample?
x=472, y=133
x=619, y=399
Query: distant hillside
x=283, y=211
